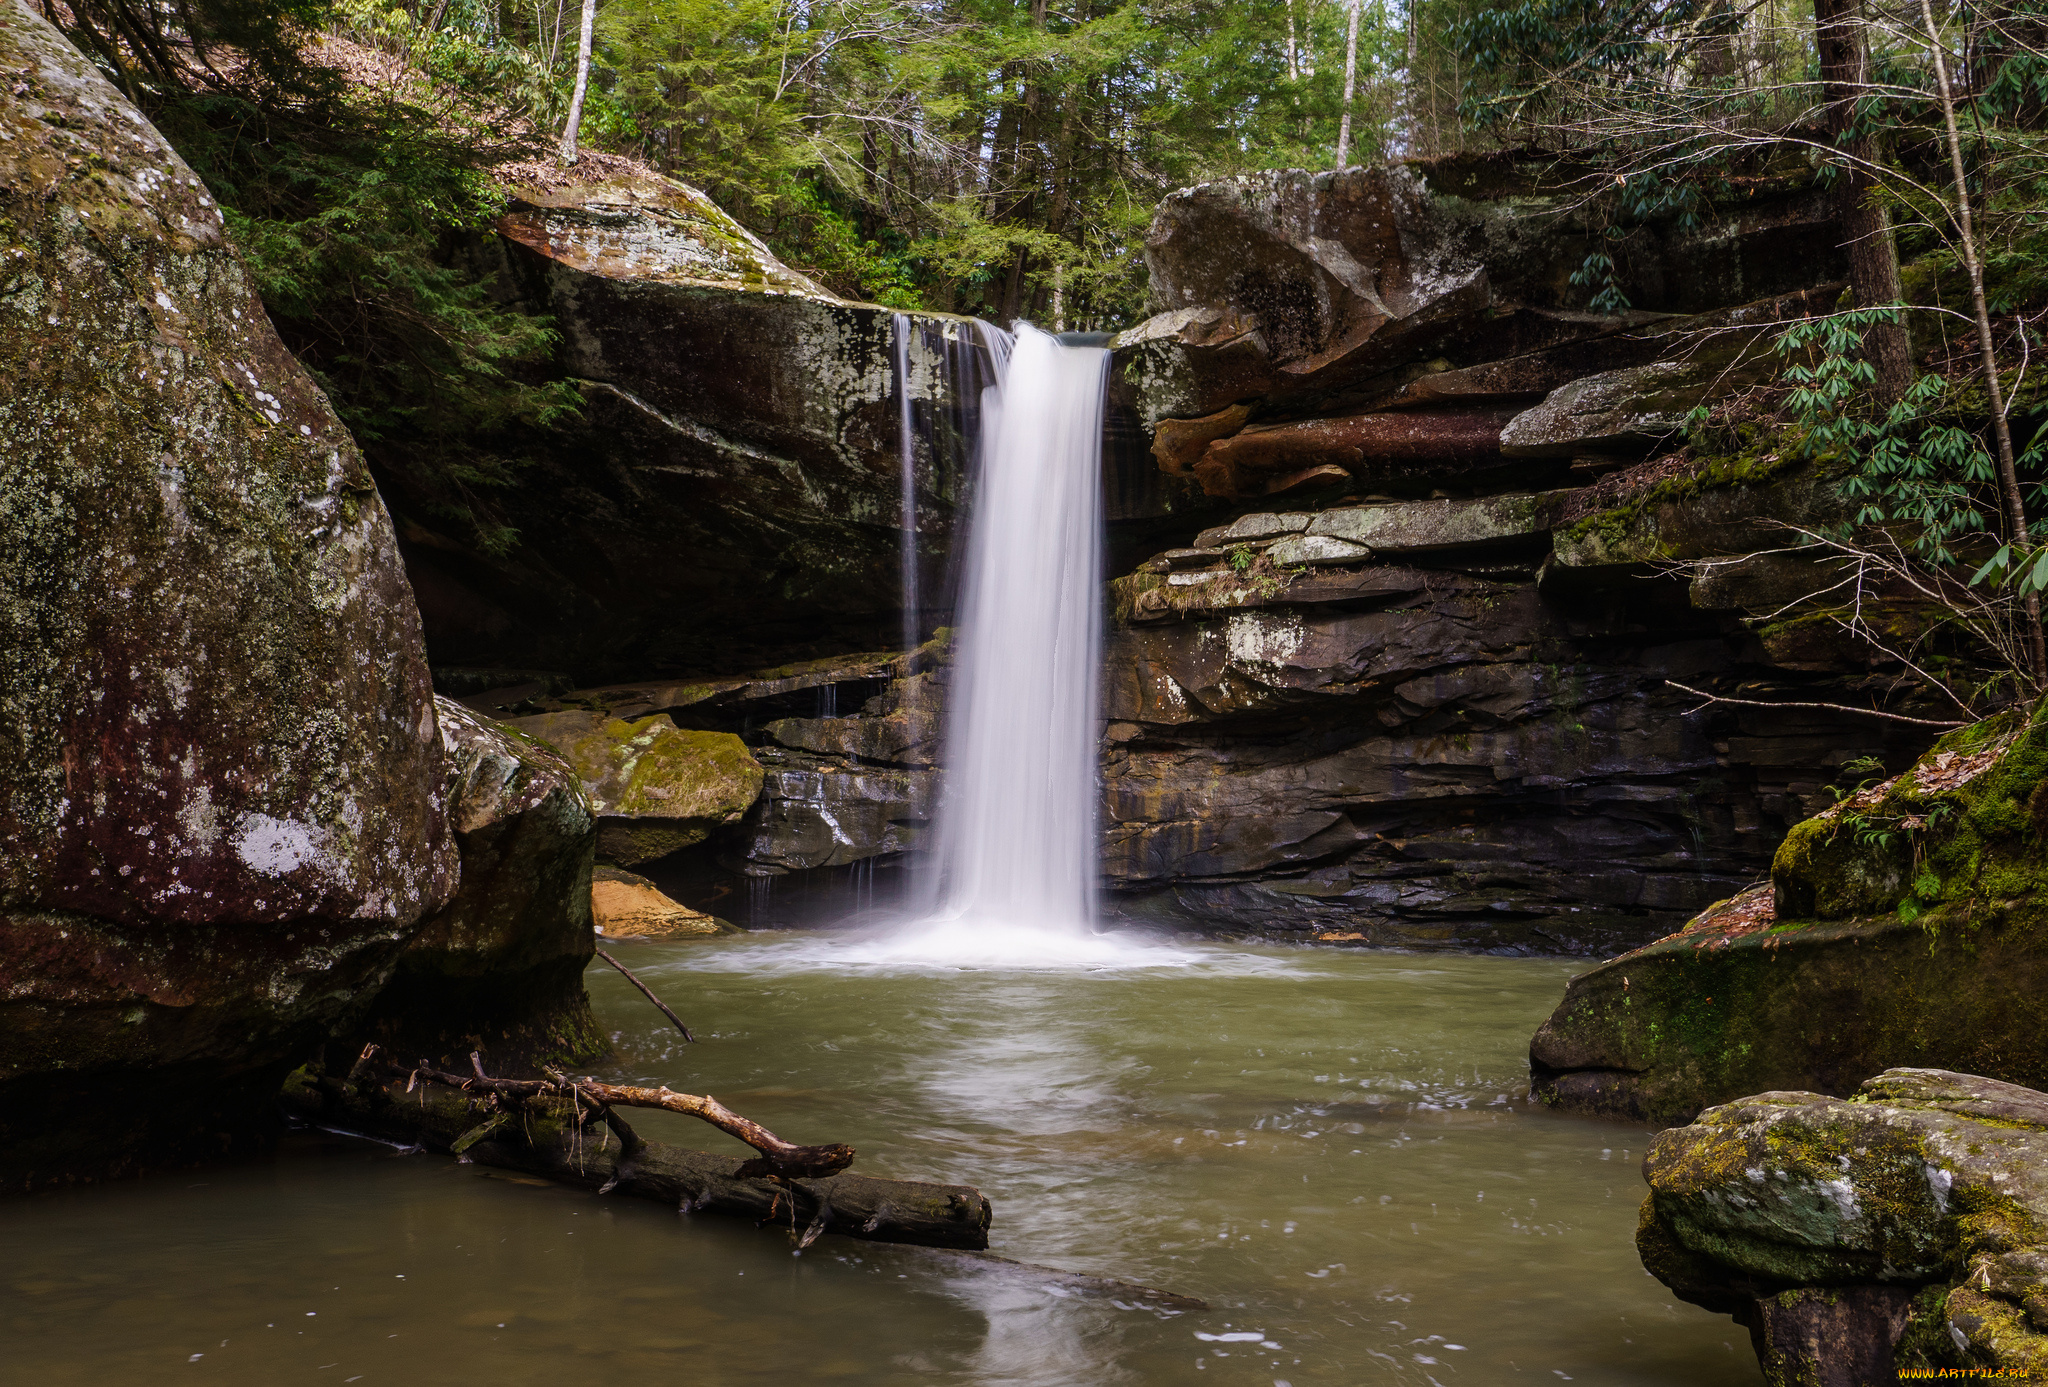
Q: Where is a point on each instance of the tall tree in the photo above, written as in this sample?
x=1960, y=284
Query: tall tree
x=574, y=124
x=1350, y=82
x=1840, y=38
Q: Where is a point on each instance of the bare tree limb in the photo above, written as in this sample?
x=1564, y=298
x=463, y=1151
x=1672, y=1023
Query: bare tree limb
x=1828, y=707
x=779, y=1159
x=648, y=993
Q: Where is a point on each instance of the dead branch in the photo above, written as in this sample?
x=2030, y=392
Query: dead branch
x=1828, y=707
x=374, y=1104
x=648, y=993
x=779, y=1159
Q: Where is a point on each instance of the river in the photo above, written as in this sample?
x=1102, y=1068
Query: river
x=1332, y=1148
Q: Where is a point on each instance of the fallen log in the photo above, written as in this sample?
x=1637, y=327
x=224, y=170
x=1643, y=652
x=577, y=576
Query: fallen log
x=552, y=1132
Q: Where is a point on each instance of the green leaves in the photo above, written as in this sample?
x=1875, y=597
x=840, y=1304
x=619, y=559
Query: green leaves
x=1915, y=464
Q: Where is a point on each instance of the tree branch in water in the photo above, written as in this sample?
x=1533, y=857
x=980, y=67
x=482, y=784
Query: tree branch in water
x=648, y=993
x=779, y=1159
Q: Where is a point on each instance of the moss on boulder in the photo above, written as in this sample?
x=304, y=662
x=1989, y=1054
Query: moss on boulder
x=1785, y=1207
x=656, y=788
x=220, y=808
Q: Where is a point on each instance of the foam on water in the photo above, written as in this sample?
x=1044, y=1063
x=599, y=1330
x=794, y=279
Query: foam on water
x=1015, y=877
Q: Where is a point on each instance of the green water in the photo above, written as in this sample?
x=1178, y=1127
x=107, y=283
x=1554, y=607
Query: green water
x=1331, y=1148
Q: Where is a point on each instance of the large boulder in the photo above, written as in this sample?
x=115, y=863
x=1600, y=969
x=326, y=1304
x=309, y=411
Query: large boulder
x=1301, y=287
x=1902, y=926
x=220, y=782
x=500, y=967
x=1905, y=1227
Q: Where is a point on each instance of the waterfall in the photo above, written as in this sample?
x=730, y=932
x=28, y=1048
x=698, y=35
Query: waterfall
x=1015, y=872
x=964, y=373
x=906, y=458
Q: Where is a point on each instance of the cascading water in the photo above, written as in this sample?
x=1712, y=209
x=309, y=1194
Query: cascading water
x=1015, y=876
x=906, y=456
x=945, y=380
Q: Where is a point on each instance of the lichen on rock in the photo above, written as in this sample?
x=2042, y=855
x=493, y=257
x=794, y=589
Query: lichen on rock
x=1773, y=1206
x=220, y=798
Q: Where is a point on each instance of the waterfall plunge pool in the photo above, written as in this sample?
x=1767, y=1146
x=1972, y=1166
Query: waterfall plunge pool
x=1332, y=1148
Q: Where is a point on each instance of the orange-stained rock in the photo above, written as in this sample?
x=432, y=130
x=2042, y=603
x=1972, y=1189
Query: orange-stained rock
x=625, y=906
x=1178, y=443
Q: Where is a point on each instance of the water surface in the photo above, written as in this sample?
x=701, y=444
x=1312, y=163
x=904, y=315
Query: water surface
x=1331, y=1148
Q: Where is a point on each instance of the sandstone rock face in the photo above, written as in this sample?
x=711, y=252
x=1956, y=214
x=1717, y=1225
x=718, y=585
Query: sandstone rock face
x=500, y=967
x=1901, y=1228
x=1433, y=281
x=1447, y=736
x=1433, y=701
x=220, y=796
x=1902, y=926
x=731, y=496
x=626, y=906
x=656, y=788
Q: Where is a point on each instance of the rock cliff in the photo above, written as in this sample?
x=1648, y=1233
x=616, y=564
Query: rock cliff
x=220, y=777
x=1399, y=598
x=1415, y=691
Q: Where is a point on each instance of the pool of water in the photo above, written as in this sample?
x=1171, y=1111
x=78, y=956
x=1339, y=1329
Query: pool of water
x=1332, y=1148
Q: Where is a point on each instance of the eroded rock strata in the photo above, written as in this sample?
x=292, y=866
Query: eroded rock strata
x=1418, y=689
x=221, y=812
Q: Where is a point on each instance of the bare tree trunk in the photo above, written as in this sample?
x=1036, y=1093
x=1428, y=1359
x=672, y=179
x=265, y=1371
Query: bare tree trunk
x=1293, y=53
x=2008, y=475
x=1414, y=77
x=1350, y=85
x=1867, y=229
x=582, y=84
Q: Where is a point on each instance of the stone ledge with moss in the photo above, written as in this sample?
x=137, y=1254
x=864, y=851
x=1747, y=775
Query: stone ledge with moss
x=1905, y=1227
x=1908, y=925
x=657, y=788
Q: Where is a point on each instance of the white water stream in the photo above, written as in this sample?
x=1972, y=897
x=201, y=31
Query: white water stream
x=1014, y=880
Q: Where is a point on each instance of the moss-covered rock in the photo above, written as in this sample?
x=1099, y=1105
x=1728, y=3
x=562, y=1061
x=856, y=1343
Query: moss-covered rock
x=220, y=814
x=500, y=967
x=656, y=788
x=1908, y=925
x=1784, y=1208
